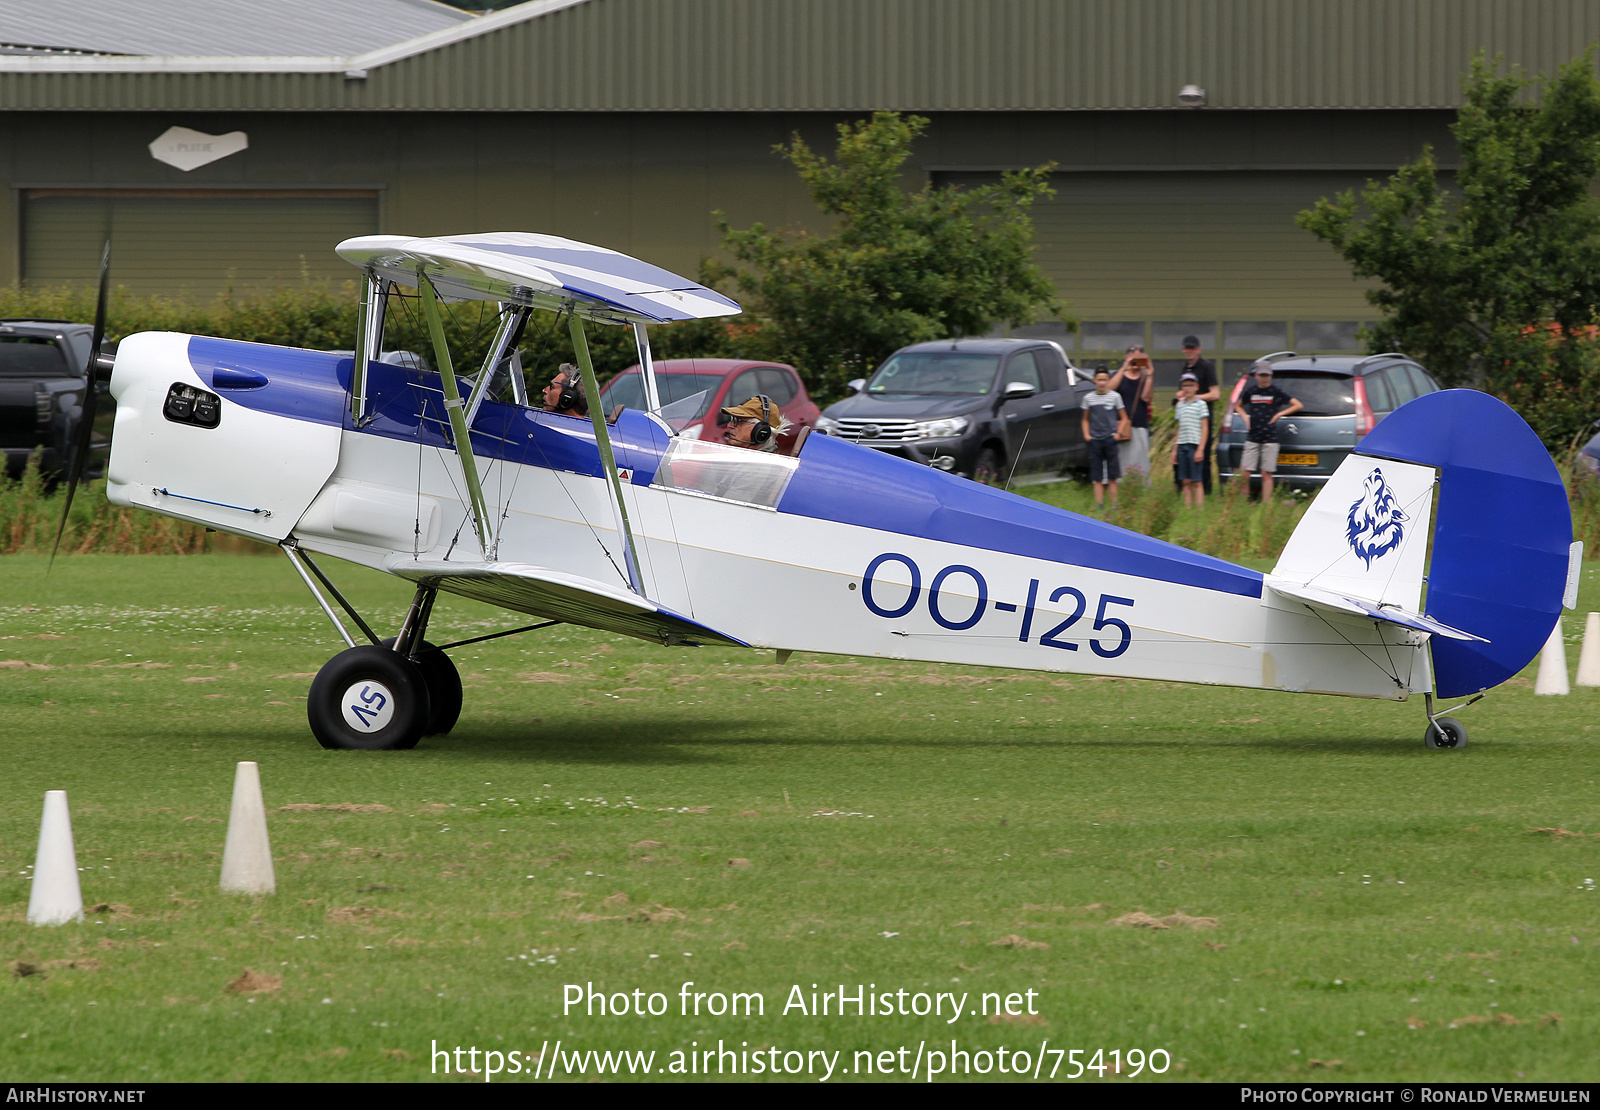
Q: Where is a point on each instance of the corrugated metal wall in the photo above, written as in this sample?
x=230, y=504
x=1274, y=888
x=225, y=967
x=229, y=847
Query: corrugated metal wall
x=924, y=55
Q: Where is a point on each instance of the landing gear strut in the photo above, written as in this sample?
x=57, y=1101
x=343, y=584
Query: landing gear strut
x=390, y=693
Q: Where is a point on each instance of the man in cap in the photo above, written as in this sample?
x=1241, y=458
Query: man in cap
x=1261, y=405
x=1205, y=374
x=755, y=425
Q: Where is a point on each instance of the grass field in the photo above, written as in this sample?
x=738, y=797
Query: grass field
x=1382, y=911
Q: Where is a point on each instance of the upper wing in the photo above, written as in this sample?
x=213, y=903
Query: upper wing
x=544, y=271
x=555, y=595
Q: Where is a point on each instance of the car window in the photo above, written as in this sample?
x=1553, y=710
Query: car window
x=31, y=356
x=1320, y=394
x=1050, y=370
x=628, y=389
x=1379, y=395
x=777, y=384
x=744, y=387
x=1024, y=368
x=935, y=373
x=1400, y=382
x=1420, y=382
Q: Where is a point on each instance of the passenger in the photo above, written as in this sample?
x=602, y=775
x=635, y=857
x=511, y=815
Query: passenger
x=564, y=394
x=754, y=425
x=1262, y=405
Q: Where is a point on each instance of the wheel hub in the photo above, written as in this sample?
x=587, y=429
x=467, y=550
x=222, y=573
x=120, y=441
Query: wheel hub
x=368, y=706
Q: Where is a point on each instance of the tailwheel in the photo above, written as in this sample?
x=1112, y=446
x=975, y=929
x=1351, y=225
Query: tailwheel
x=439, y=674
x=370, y=698
x=1445, y=732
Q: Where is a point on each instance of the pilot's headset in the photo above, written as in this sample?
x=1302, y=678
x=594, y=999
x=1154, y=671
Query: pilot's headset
x=570, y=390
x=762, y=431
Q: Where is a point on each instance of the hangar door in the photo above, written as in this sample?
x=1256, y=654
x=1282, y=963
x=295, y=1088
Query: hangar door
x=1203, y=245
x=195, y=243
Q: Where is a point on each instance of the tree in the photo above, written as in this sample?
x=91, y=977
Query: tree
x=899, y=267
x=1497, y=281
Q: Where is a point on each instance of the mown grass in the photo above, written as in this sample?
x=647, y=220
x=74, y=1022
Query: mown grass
x=897, y=819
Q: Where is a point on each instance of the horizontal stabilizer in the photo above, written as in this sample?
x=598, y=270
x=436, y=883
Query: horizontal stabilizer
x=555, y=595
x=1327, y=600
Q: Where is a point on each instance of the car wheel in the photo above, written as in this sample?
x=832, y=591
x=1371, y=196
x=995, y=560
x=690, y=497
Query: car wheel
x=989, y=470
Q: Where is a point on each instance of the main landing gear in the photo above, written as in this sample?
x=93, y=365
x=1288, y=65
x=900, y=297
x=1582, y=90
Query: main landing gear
x=386, y=694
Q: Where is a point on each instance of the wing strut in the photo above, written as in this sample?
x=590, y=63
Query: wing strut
x=597, y=417
x=452, y=408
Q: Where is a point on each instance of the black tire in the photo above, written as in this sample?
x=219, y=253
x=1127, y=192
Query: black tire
x=989, y=470
x=444, y=688
x=387, y=701
x=1446, y=733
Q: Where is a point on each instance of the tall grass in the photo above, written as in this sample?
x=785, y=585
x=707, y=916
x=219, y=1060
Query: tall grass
x=30, y=513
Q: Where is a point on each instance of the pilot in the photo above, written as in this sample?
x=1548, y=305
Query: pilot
x=754, y=425
x=564, y=394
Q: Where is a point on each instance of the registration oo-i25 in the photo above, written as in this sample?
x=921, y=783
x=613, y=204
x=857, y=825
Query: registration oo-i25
x=620, y=522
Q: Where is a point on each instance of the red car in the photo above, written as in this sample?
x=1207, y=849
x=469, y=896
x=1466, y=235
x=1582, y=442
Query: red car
x=725, y=381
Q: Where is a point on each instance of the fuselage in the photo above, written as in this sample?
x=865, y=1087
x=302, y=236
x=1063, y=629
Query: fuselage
x=839, y=550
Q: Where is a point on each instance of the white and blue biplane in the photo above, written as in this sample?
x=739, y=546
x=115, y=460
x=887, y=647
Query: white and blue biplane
x=617, y=522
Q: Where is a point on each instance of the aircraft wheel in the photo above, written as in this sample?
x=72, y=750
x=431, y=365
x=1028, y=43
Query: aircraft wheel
x=368, y=698
x=444, y=688
x=987, y=471
x=1446, y=733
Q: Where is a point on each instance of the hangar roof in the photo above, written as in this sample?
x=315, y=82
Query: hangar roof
x=217, y=27
x=845, y=56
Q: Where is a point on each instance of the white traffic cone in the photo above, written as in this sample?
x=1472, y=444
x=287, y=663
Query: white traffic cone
x=56, y=897
x=1589, y=656
x=247, y=856
x=1553, y=664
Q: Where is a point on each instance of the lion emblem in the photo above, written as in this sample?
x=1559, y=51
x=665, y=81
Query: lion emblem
x=1376, y=523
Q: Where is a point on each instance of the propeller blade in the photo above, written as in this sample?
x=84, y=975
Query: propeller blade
x=79, y=455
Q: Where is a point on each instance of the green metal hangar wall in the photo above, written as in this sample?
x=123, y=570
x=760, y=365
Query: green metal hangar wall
x=626, y=122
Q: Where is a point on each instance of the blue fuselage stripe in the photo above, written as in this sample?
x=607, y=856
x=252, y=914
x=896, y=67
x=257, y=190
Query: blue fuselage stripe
x=837, y=481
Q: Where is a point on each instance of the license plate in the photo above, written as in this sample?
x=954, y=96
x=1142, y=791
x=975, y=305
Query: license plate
x=1297, y=460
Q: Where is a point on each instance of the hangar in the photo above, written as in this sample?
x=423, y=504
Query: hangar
x=626, y=122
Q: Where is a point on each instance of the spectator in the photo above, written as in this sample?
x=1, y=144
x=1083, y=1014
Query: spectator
x=1189, y=453
x=1105, y=421
x=1206, y=390
x=1262, y=405
x=1135, y=381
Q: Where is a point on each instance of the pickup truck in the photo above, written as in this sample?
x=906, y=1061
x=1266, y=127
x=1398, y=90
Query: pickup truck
x=43, y=374
x=981, y=408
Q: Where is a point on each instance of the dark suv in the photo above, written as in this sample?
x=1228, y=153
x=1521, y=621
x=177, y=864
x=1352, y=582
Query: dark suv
x=978, y=407
x=42, y=379
x=1344, y=398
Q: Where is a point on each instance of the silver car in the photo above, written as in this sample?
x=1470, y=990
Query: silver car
x=1344, y=397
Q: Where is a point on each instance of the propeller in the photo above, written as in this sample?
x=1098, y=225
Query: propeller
x=79, y=458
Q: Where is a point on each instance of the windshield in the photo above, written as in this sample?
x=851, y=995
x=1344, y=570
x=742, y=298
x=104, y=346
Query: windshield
x=32, y=356
x=1321, y=394
x=944, y=373
x=628, y=388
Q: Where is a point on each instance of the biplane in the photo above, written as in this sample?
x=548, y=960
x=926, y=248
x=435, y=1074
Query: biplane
x=456, y=483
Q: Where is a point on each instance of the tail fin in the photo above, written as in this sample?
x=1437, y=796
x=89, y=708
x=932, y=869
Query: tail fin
x=1501, y=542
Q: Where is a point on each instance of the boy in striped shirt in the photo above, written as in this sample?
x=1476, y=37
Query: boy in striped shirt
x=1194, y=427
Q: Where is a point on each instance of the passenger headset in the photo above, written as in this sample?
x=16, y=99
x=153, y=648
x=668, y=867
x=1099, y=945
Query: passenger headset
x=762, y=431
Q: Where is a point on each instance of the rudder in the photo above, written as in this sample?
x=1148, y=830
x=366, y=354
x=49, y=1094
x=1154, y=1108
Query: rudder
x=1502, y=535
